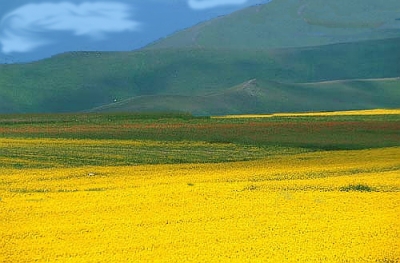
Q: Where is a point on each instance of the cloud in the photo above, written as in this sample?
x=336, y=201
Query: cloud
x=23, y=29
x=205, y=4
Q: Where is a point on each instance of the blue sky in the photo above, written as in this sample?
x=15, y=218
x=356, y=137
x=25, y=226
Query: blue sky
x=32, y=30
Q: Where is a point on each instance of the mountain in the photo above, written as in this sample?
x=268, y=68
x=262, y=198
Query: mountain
x=207, y=80
x=293, y=23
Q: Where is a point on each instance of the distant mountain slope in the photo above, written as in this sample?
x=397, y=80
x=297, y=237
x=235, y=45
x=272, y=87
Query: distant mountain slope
x=326, y=45
x=269, y=97
x=293, y=23
x=80, y=81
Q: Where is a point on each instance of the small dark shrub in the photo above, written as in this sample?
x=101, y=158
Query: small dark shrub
x=357, y=187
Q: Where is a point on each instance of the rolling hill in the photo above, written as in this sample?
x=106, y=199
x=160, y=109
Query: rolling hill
x=211, y=79
x=258, y=97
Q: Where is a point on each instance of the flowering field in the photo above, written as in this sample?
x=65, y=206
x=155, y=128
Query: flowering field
x=328, y=113
x=57, y=153
x=60, y=202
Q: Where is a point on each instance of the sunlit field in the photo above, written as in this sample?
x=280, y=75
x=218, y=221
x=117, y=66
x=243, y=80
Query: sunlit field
x=208, y=195
x=328, y=113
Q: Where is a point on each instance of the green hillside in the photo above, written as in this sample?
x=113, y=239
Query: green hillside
x=80, y=81
x=327, y=46
x=269, y=97
x=293, y=23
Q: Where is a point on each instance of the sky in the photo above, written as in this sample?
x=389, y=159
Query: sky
x=33, y=30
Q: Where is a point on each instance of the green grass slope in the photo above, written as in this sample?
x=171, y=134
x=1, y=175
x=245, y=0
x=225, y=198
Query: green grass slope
x=79, y=81
x=268, y=97
x=293, y=23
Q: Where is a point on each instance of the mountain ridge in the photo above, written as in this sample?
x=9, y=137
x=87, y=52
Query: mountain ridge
x=291, y=23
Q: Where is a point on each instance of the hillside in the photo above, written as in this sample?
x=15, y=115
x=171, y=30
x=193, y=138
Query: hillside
x=180, y=77
x=81, y=81
x=293, y=23
x=258, y=97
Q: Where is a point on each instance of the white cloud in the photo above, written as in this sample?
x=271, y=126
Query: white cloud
x=22, y=30
x=205, y=4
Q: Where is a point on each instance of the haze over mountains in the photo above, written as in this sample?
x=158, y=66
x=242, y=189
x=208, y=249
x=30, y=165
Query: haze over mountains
x=287, y=55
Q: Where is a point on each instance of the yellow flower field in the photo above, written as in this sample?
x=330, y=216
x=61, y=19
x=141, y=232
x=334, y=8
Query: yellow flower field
x=321, y=114
x=292, y=208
